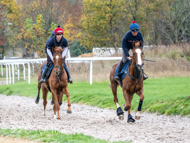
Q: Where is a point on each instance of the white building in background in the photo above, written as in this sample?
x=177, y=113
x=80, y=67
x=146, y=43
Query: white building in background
x=104, y=52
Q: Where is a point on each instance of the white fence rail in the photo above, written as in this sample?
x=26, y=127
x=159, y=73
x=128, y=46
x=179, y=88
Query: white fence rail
x=15, y=64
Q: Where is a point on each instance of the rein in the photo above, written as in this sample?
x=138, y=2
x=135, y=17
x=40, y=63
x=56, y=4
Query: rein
x=137, y=78
x=58, y=74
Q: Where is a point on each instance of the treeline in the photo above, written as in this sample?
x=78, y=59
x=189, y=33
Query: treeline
x=91, y=23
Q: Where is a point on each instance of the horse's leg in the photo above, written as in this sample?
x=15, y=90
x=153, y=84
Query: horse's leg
x=128, y=99
x=60, y=98
x=45, y=91
x=56, y=106
x=119, y=111
x=38, y=96
x=141, y=95
x=66, y=91
x=52, y=101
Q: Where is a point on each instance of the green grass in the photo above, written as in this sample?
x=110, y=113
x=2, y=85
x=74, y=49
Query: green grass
x=164, y=96
x=50, y=136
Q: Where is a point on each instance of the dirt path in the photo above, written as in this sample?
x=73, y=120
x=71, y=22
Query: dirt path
x=14, y=140
x=22, y=112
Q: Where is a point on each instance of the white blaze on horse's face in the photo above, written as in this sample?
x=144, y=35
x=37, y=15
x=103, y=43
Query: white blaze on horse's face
x=138, y=51
x=57, y=57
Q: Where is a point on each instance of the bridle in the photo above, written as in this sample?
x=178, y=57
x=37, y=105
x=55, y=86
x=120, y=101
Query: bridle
x=58, y=74
x=137, y=70
x=58, y=66
x=137, y=65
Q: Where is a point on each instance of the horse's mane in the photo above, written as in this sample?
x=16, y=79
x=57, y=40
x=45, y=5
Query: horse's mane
x=58, y=49
x=137, y=44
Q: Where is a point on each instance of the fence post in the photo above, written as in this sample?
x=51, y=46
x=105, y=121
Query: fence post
x=13, y=73
x=91, y=72
x=9, y=74
x=2, y=70
x=28, y=72
x=7, y=80
x=18, y=71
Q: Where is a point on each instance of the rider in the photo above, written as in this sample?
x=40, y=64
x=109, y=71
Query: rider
x=56, y=40
x=132, y=35
x=49, y=39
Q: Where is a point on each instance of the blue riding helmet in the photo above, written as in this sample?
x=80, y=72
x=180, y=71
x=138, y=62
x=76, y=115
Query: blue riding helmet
x=134, y=26
x=52, y=33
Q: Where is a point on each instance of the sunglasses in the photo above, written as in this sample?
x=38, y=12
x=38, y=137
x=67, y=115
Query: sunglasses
x=59, y=34
x=135, y=30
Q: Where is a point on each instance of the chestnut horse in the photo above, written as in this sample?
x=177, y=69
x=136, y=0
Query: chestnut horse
x=132, y=83
x=57, y=83
x=39, y=86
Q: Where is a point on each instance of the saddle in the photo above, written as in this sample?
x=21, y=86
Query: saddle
x=123, y=71
x=48, y=73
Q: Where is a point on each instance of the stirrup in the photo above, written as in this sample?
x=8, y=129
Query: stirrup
x=42, y=80
x=145, y=77
x=70, y=81
x=116, y=78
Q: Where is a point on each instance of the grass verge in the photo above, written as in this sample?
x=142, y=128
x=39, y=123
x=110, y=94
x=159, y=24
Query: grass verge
x=50, y=136
x=170, y=96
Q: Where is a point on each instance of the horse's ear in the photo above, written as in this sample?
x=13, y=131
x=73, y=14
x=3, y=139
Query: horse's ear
x=53, y=50
x=140, y=43
x=133, y=44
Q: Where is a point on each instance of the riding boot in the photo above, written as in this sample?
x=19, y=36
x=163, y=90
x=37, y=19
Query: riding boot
x=44, y=74
x=67, y=71
x=116, y=77
x=144, y=75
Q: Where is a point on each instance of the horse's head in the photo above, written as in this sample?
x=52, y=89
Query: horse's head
x=57, y=59
x=138, y=54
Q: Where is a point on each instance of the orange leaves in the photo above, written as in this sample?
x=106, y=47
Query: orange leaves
x=99, y=21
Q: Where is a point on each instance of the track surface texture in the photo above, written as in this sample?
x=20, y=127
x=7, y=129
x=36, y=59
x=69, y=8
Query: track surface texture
x=18, y=112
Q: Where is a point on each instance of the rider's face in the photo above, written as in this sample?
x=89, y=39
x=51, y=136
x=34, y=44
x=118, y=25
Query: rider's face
x=58, y=37
x=134, y=33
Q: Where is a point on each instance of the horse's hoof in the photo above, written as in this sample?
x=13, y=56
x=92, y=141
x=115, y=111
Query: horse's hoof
x=37, y=101
x=52, y=102
x=60, y=103
x=69, y=111
x=121, y=117
x=125, y=109
x=131, y=120
x=137, y=117
x=58, y=118
x=119, y=111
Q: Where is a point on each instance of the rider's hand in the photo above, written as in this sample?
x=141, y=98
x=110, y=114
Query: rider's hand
x=129, y=58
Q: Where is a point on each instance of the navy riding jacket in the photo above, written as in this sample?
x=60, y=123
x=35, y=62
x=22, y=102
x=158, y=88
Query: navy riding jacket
x=53, y=42
x=47, y=42
x=128, y=40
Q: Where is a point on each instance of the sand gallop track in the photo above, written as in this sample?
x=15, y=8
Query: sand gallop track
x=22, y=112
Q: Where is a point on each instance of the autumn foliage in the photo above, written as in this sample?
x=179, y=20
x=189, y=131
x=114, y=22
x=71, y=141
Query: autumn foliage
x=92, y=23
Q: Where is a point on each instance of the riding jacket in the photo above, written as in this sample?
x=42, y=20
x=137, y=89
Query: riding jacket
x=128, y=40
x=53, y=43
x=47, y=42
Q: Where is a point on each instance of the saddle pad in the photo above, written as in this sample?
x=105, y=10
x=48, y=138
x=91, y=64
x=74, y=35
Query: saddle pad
x=48, y=75
x=122, y=72
x=43, y=68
